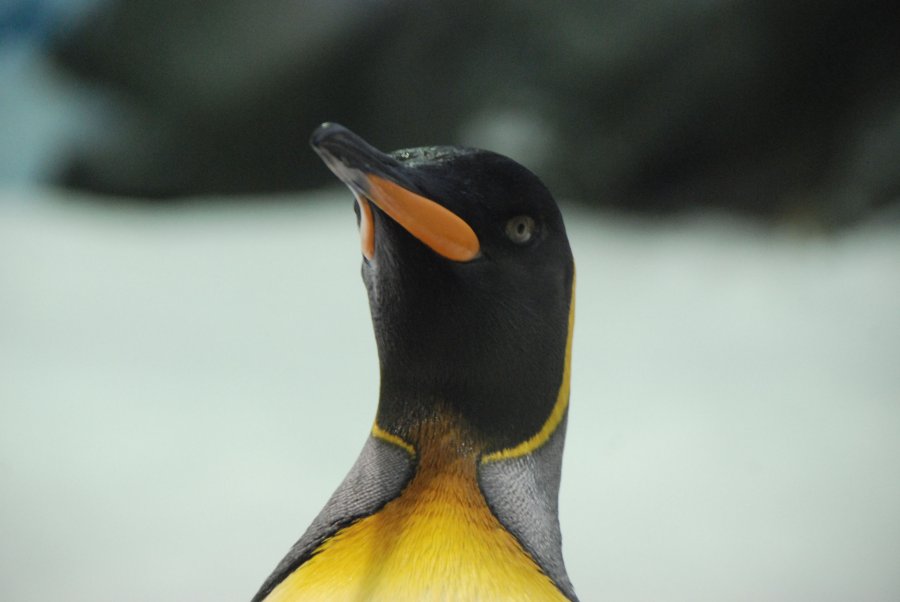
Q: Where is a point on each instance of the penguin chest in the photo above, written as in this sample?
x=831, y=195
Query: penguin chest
x=437, y=541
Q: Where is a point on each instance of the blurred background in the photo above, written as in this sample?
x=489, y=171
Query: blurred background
x=186, y=363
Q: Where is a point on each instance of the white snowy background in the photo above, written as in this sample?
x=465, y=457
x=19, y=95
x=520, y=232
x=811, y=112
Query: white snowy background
x=182, y=389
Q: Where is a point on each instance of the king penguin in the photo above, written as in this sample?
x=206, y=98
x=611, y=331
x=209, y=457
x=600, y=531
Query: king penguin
x=470, y=281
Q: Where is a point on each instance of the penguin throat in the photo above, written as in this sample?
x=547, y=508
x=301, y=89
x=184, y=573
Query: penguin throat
x=439, y=437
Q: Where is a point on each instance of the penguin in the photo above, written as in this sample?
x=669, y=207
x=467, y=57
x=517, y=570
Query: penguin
x=470, y=280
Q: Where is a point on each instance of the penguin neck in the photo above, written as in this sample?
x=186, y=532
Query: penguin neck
x=484, y=412
x=504, y=395
x=423, y=420
x=432, y=432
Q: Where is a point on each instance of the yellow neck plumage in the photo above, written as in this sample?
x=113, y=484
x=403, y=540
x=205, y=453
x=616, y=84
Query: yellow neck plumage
x=437, y=541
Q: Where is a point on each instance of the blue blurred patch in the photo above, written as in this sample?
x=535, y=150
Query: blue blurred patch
x=23, y=19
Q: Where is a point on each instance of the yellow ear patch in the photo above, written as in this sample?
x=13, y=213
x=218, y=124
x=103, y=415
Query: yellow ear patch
x=438, y=541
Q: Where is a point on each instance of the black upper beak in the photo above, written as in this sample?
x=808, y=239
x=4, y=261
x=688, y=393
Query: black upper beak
x=352, y=159
x=377, y=177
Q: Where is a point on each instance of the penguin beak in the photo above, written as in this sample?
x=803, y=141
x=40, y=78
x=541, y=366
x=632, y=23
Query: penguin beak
x=375, y=177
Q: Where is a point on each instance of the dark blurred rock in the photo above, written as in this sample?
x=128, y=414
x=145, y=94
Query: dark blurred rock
x=776, y=109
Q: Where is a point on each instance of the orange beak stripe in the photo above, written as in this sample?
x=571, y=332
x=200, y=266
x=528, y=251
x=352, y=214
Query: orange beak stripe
x=366, y=226
x=437, y=227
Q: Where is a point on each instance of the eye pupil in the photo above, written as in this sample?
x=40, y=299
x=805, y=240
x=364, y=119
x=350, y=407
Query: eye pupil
x=520, y=229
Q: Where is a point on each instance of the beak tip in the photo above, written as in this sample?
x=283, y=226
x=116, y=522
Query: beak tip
x=322, y=133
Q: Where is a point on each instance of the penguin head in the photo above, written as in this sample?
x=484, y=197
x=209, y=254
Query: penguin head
x=469, y=276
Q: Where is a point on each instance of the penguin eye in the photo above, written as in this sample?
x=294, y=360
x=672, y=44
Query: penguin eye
x=520, y=229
